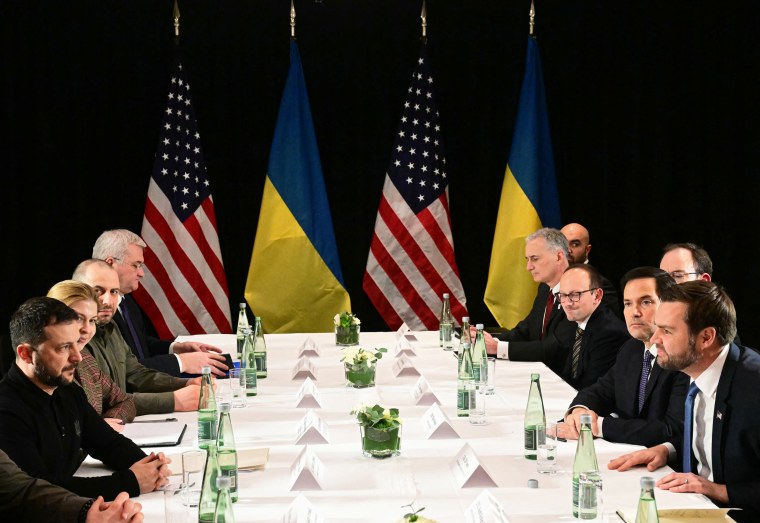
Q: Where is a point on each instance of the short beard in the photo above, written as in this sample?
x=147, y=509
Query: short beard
x=47, y=379
x=683, y=361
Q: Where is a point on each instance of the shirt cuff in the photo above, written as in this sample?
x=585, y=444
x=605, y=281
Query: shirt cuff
x=179, y=362
x=671, y=451
x=599, y=424
x=502, y=350
x=171, y=347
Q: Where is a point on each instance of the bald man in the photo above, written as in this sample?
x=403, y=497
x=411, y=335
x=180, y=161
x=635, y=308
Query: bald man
x=578, y=238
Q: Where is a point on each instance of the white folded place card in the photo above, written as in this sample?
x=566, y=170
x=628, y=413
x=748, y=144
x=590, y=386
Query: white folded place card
x=306, y=471
x=401, y=331
x=437, y=424
x=308, y=395
x=403, y=366
x=309, y=348
x=468, y=471
x=486, y=509
x=304, y=369
x=302, y=511
x=403, y=347
x=422, y=393
x=311, y=429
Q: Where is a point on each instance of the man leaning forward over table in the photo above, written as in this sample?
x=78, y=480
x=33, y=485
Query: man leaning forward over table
x=47, y=426
x=719, y=453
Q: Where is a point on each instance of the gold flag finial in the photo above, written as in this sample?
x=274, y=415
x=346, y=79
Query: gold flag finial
x=423, y=15
x=292, y=20
x=176, y=18
x=532, y=16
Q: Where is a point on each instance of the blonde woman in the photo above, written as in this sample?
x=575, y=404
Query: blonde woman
x=107, y=398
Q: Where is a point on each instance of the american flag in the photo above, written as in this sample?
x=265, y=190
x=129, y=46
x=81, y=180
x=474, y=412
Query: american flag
x=411, y=259
x=184, y=290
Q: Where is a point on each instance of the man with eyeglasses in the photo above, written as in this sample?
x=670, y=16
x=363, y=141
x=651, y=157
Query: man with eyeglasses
x=123, y=250
x=598, y=331
x=636, y=401
x=686, y=262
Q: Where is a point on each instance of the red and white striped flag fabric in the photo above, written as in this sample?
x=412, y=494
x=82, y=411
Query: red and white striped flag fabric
x=411, y=260
x=184, y=290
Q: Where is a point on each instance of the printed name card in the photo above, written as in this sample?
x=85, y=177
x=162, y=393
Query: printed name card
x=403, y=347
x=308, y=395
x=304, y=369
x=309, y=348
x=306, y=472
x=437, y=424
x=486, y=509
x=401, y=331
x=403, y=366
x=302, y=511
x=468, y=471
x=311, y=430
x=422, y=393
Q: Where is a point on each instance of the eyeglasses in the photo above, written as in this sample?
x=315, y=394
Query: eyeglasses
x=680, y=275
x=135, y=265
x=572, y=297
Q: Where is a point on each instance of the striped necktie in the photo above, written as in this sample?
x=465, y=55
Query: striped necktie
x=576, y=355
x=688, y=420
x=646, y=368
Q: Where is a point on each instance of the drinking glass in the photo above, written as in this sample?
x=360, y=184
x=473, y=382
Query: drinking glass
x=176, y=509
x=478, y=404
x=237, y=386
x=491, y=384
x=193, y=462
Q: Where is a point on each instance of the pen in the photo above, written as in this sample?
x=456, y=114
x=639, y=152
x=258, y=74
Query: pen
x=154, y=420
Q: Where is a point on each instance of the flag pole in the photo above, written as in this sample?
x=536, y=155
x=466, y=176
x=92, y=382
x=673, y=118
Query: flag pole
x=176, y=19
x=423, y=16
x=292, y=21
x=532, y=17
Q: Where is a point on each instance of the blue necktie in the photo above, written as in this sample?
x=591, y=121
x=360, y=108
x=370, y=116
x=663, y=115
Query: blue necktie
x=688, y=420
x=132, y=331
x=646, y=368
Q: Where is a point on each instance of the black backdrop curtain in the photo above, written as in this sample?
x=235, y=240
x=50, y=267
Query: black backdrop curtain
x=653, y=111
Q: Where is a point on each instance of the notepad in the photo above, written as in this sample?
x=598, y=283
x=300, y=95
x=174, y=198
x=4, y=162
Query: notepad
x=158, y=434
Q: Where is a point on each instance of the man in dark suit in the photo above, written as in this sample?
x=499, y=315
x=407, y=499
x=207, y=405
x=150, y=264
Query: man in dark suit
x=123, y=250
x=545, y=334
x=719, y=454
x=636, y=401
x=599, y=333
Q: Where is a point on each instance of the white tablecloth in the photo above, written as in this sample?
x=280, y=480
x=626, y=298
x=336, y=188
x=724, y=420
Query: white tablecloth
x=356, y=488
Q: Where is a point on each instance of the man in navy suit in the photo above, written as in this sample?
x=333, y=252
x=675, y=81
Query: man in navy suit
x=123, y=250
x=598, y=332
x=719, y=454
x=636, y=401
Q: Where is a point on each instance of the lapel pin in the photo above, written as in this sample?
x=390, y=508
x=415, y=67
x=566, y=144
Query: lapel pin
x=719, y=415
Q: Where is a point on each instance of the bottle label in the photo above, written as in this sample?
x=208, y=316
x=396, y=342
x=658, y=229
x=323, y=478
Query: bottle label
x=250, y=381
x=231, y=473
x=530, y=438
x=463, y=401
x=261, y=363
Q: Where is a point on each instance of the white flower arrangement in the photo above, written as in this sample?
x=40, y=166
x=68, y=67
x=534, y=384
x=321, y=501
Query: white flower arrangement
x=346, y=319
x=359, y=356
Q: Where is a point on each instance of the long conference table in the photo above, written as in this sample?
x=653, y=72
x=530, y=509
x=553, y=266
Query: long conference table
x=351, y=487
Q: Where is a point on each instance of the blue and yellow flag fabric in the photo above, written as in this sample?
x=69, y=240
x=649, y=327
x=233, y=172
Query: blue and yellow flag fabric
x=294, y=281
x=529, y=200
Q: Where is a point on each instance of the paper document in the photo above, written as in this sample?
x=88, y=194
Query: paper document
x=159, y=434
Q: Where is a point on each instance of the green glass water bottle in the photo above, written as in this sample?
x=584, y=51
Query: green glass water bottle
x=223, y=512
x=242, y=325
x=647, y=510
x=585, y=460
x=446, y=324
x=248, y=364
x=207, y=417
x=227, y=451
x=535, y=418
x=259, y=349
x=479, y=356
x=465, y=381
x=209, y=492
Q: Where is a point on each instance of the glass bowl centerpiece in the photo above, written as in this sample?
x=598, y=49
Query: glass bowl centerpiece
x=347, y=328
x=359, y=366
x=380, y=430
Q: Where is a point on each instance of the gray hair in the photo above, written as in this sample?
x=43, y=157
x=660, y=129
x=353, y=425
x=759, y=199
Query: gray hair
x=114, y=244
x=554, y=238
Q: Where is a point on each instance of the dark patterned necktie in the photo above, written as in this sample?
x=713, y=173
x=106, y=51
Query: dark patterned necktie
x=547, y=313
x=576, y=355
x=646, y=368
x=132, y=330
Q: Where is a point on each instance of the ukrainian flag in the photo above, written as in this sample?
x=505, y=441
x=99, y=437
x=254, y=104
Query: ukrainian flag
x=294, y=281
x=529, y=200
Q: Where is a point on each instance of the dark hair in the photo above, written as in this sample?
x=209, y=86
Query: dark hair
x=662, y=280
x=30, y=319
x=702, y=262
x=708, y=306
x=594, y=278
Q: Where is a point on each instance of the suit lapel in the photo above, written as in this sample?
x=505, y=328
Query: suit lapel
x=723, y=411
